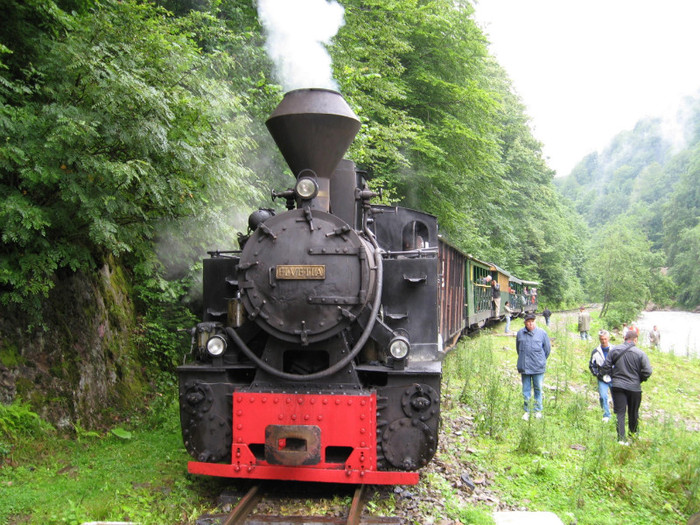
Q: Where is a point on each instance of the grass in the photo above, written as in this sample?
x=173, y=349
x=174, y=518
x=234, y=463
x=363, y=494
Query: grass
x=568, y=463
x=136, y=475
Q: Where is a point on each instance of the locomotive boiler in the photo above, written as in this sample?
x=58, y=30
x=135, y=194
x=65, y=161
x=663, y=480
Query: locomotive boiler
x=318, y=357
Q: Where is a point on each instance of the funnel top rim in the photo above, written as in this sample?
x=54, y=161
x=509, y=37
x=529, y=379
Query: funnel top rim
x=334, y=91
x=313, y=102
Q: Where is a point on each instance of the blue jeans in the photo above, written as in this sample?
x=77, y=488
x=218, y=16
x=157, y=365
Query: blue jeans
x=603, y=393
x=507, y=323
x=532, y=381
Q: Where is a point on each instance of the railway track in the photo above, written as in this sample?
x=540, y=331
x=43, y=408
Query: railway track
x=243, y=513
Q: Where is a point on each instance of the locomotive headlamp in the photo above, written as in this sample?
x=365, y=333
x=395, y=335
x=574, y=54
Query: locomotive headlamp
x=399, y=347
x=306, y=188
x=216, y=345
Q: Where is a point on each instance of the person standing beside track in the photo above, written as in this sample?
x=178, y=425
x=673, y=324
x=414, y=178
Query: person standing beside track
x=509, y=313
x=629, y=367
x=533, y=347
x=584, y=323
x=547, y=313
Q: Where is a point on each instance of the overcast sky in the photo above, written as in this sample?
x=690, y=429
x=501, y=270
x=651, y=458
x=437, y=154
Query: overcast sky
x=587, y=70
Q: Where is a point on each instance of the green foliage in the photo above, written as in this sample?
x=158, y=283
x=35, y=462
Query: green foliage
x=622, y=270
x=10, y=356
x=160, y=339
x=682, y=228
x=18, y=420
x=686, y=269
x=116, y=127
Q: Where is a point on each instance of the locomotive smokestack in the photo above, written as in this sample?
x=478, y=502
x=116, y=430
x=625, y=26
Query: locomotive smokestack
x=313, y=128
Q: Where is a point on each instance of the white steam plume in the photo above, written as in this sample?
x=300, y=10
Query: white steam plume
x=297, y=33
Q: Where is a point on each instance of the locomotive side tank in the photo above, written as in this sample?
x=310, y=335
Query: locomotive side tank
x=318, y=355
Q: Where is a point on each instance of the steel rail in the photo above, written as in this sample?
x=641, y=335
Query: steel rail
x=245, y=506
x=241, y=513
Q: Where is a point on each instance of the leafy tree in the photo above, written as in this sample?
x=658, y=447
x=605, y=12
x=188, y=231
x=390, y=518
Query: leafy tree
x=116, y=127
x=681, y=221
x=683, y=209
x=622, y=268
x=686, y=269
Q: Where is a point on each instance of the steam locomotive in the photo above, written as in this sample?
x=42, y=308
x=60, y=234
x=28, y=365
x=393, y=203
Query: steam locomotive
x=318, y=357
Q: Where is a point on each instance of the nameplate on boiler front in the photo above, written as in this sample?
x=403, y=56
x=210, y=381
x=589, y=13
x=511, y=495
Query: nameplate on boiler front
x=300, y=271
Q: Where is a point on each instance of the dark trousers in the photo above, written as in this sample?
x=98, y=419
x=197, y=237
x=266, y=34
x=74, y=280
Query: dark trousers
x=626, y=401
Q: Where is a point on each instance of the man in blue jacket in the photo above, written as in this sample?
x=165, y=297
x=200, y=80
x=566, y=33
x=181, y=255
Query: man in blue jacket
x=533, y=347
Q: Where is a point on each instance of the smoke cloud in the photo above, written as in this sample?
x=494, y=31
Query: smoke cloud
x=298, y=32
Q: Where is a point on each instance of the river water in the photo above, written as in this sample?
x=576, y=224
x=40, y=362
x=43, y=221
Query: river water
x=680, y=331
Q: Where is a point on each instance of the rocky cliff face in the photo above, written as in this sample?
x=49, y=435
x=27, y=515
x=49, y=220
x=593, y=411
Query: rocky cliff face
x=81, y=365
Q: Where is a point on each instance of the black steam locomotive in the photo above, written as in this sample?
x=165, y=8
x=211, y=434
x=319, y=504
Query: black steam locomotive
x=319, y=354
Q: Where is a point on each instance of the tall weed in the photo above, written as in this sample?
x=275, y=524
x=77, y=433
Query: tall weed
x=483, y=388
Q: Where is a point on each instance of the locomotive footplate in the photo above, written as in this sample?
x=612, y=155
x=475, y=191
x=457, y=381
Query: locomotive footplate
x=305, y=437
